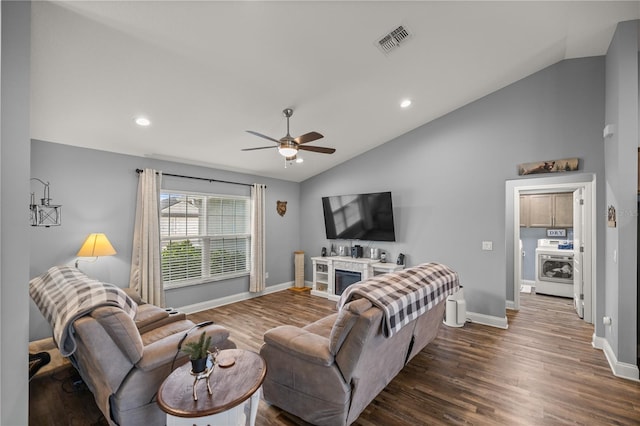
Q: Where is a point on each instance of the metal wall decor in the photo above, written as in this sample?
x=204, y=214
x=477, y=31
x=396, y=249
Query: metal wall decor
x=44, y=214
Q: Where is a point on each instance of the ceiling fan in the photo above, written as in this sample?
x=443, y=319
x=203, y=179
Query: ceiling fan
x=289, y=146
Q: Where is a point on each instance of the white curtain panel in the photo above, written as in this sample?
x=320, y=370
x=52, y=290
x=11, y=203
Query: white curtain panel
x=146, y=274
x=258, y=245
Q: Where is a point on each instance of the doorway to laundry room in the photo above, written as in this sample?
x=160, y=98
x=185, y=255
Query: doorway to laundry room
x=553, y=236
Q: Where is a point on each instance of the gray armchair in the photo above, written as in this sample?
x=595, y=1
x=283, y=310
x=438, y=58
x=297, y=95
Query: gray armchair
x=124, y=361
x=122, y=347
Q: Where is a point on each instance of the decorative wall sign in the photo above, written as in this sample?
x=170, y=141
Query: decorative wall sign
x=281, y=207
x=551, y=166
x=555, y=232
x=611, y=217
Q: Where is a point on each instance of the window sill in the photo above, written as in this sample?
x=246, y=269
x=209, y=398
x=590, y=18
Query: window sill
x=199, y=281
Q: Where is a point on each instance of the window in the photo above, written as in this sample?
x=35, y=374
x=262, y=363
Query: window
x=203, y=237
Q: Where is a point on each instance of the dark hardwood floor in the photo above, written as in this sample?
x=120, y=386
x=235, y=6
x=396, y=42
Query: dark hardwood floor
x=541, y=371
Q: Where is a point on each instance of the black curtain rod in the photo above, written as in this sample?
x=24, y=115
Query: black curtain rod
x=200, y=178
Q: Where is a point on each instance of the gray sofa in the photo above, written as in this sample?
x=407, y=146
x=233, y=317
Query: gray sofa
x=329, y=371
x=124, y=359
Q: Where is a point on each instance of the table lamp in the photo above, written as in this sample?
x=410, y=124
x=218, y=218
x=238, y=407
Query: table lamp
x=95, y=245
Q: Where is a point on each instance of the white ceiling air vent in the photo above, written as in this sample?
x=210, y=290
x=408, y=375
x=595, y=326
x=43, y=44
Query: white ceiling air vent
x=395, y=38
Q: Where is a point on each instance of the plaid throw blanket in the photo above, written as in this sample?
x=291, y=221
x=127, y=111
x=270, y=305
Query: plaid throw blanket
x=405, y=295
x=64, y=294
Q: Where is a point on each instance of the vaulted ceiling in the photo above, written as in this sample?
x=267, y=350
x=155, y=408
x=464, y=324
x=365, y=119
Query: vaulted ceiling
x=204, y=72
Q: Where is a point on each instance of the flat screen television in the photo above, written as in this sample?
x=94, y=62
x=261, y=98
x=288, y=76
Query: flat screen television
x=366, y=217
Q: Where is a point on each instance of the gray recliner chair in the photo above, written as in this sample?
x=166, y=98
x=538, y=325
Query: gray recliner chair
x=124, y=361
x=122, y=347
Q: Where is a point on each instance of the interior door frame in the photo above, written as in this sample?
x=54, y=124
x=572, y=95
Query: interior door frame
x=579, y=209
x=514, y=189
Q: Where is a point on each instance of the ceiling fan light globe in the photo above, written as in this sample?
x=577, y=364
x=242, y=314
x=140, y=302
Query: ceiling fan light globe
x=287, y=151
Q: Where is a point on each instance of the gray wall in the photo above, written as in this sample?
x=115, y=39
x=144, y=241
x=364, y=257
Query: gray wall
x=14, y=201
x=621, y=191
x=448, y=176
x=97, y=191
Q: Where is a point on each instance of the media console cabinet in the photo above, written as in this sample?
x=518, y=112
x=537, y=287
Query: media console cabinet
x=332, y=274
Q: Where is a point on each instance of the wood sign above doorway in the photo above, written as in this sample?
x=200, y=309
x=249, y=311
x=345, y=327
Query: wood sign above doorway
x=550, y=166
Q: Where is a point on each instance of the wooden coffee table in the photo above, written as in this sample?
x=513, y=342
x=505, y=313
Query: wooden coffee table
x=232, y=387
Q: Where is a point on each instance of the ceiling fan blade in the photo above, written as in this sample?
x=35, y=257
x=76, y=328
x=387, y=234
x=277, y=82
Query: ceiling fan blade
x=263, y=136
x=260, y=147
x=308, y=137
x=319, y=149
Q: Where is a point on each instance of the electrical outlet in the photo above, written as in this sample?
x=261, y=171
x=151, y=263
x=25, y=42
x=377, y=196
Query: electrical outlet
x=487, y=245
x=266, y=275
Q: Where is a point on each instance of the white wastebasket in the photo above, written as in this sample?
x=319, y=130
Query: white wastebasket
x=455, y=310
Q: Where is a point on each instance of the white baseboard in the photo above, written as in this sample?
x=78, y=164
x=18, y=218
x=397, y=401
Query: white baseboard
x=597, y=342
x=620, y=369
x=489, y=320
x=214, y=303
x=528, y=282
x=510, y=304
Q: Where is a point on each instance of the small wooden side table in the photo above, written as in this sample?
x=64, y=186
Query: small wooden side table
x=231, y=386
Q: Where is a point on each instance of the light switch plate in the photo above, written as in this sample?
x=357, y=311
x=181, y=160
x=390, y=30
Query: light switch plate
x=487, y=245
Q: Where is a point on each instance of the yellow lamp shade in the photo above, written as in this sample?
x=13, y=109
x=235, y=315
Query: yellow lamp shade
x=96, y=245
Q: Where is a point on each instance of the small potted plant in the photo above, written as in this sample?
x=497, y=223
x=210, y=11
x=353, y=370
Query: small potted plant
x=198, y=352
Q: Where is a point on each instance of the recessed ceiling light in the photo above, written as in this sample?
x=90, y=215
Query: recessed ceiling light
x=299, y=160
x=143, y=121
x=406, y=103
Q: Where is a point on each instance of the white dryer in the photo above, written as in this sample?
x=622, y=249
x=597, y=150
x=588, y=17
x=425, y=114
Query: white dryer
x=554, y=268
